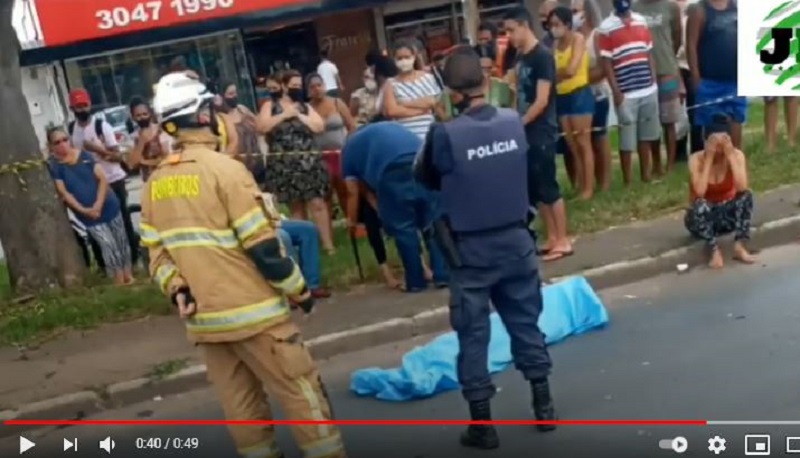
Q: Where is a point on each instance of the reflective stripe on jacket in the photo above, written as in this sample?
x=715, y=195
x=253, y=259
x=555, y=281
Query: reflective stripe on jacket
x=200, y=211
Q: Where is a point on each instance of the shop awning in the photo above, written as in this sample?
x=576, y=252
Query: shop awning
x=71, y=21
x=73, y=28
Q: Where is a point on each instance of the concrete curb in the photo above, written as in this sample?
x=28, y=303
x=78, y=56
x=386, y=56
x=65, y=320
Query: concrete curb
x=84, y=403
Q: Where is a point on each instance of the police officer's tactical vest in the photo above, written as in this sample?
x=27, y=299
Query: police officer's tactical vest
x=487, y=188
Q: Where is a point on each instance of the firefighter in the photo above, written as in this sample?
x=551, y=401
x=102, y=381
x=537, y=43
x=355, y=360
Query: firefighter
x=214, y=252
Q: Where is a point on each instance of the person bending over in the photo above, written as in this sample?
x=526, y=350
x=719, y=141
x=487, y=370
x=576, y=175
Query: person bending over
x=721, y=201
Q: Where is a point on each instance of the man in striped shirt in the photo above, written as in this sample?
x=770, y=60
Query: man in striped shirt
x=625, y=46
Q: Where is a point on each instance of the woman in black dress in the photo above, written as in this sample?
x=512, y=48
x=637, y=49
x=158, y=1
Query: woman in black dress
x=295, y=171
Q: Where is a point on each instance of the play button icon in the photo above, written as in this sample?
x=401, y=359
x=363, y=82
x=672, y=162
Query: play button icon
x=25, y=445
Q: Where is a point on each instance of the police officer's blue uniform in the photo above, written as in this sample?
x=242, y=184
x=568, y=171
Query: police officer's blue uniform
x=479, y=163
x=381, y=155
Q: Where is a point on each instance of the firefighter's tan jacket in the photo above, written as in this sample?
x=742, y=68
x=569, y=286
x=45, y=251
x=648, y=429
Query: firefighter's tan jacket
x=200, y=211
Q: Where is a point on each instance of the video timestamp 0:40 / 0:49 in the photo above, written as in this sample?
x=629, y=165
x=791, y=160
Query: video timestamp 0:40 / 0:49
x=167, y=443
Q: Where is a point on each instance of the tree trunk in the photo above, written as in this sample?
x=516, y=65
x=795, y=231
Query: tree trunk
x=40, y=248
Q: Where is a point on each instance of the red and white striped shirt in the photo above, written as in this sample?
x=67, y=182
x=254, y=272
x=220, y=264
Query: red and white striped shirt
x=628, y=43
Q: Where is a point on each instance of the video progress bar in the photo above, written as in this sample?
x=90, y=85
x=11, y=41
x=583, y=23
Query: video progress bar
x=753, y=423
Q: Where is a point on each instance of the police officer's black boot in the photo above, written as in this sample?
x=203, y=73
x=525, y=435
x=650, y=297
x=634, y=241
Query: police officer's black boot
x=480, y=436
x=543, y=407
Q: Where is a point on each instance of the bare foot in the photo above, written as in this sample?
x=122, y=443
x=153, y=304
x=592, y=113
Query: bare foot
x=716, y=261
x=548, y=246
x=559, y=251
x=741, y=254
x=586, y=195
x=388, y=277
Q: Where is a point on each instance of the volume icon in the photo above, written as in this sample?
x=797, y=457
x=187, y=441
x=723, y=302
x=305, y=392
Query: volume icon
x=107, y=445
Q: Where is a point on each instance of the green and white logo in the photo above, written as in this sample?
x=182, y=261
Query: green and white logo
x=779, y=44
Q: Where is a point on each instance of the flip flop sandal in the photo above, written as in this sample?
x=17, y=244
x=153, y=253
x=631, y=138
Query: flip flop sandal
x=543, y=251
x=558, y=255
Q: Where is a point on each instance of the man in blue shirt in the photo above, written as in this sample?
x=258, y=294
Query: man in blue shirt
x=478, y=161
x=380, y=156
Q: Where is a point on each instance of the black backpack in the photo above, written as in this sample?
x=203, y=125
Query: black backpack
x=98, y=128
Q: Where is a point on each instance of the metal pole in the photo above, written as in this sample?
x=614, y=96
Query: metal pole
x=471, y=19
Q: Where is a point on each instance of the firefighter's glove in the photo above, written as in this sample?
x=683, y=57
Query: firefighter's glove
x=183, y=300
x=304, y=301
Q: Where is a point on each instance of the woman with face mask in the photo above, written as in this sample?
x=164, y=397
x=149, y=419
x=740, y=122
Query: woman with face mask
x=339, y=123
x=295, y=173
x=363, y=102
x=413, y=97
x=151, y=145
x=575, y=100
x=83, y=186
x=584, y=23
x=241, y=120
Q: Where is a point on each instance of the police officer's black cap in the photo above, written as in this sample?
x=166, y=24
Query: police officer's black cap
x=462, y=70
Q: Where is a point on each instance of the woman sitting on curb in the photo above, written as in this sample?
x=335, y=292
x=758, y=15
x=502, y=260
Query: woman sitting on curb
x=721, y=201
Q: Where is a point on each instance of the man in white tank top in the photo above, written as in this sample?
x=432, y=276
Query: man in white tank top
x=329, y=73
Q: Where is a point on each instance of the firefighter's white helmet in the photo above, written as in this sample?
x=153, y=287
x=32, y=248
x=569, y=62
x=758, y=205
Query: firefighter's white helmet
x=179, y=94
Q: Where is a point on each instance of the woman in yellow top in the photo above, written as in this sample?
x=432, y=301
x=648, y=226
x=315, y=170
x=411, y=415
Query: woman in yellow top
x=575, y=100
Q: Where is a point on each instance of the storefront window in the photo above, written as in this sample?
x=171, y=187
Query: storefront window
x=434, y=27
x=113, y=79
x=291, y=47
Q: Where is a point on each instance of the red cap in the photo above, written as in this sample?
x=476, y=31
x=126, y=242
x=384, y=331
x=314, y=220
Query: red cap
x=79, y=97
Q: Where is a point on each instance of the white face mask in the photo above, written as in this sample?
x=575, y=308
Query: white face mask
x=405, y=65
x=577, y=20
x=371, y=85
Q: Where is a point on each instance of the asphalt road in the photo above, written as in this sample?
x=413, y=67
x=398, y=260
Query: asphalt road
x=703, y=345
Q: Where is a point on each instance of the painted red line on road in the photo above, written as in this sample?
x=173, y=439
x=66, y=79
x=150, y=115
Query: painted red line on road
x=353, y=422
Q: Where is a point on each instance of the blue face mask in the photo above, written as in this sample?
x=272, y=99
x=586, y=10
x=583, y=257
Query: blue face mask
x=622, y=6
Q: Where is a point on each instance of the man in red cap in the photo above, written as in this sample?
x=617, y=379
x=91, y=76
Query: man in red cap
x=96, y=136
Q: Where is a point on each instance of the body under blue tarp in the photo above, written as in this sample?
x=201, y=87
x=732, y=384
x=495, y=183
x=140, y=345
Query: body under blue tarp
x=571, y=307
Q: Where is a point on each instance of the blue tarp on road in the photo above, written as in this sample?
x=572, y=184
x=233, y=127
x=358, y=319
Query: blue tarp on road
x=571, y=307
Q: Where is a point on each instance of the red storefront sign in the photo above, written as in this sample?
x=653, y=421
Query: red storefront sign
x=69, y=21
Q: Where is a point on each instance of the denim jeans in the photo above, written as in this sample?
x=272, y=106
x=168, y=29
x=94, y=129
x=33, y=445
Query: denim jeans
x=407, y=209
x=301, y=240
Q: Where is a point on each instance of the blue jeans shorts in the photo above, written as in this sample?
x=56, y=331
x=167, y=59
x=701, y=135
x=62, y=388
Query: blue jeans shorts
x=577, y=103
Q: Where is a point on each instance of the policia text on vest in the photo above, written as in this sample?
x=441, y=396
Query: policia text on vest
x=498, y=147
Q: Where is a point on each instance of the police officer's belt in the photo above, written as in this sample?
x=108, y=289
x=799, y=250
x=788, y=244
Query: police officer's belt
x=492, y=230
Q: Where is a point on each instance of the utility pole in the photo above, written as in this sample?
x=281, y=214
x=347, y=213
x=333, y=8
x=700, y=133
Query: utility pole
x=471, y=19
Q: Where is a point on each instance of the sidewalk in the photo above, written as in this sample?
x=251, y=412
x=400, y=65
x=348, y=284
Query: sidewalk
x=80, y=373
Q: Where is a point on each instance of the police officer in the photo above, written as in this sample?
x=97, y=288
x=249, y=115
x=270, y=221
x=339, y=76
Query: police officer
x=215, y=253
x=478, y=161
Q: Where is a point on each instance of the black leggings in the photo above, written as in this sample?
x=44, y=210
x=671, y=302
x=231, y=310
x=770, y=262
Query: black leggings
x=368, y=216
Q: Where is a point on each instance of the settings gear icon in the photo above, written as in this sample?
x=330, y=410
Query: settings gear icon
x=716, y=444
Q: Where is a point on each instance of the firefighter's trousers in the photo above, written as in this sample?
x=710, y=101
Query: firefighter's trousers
x=278, y=361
